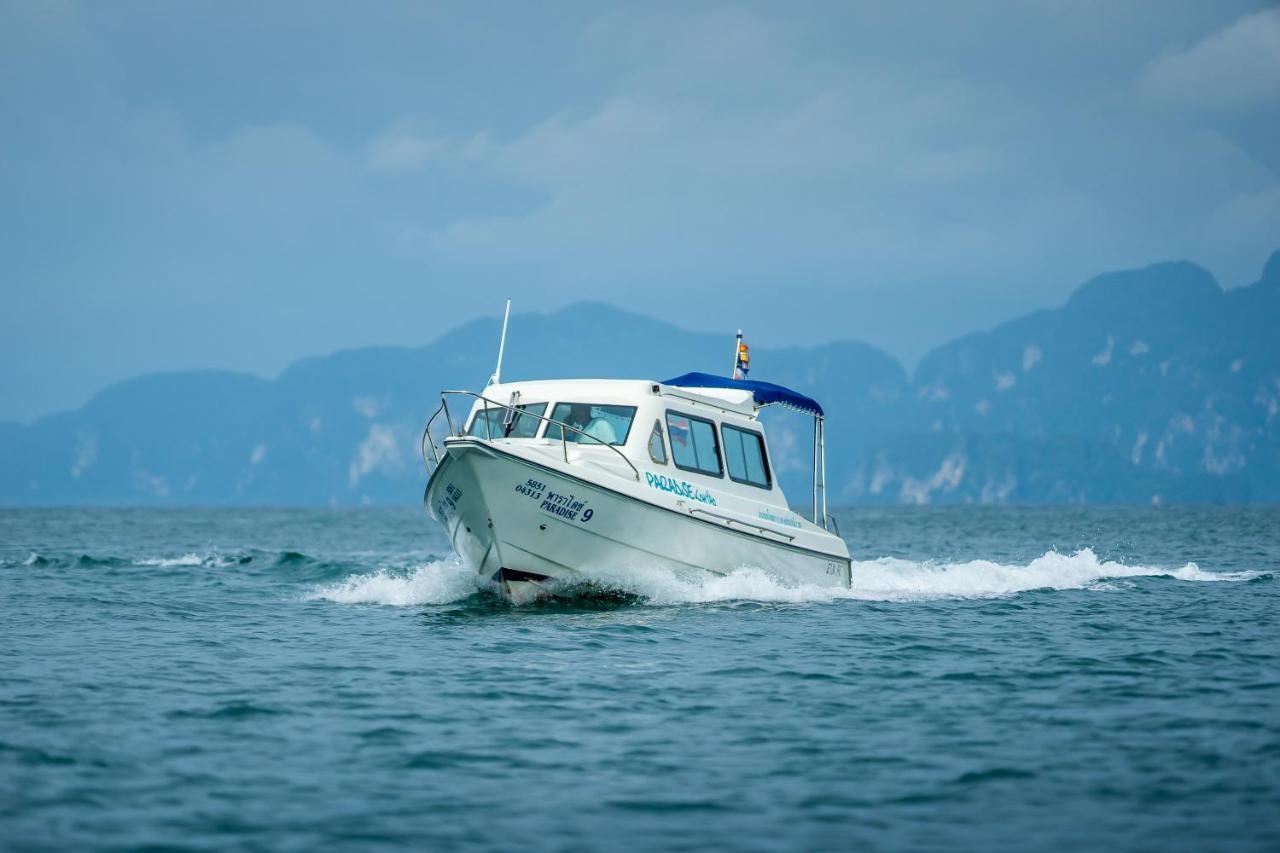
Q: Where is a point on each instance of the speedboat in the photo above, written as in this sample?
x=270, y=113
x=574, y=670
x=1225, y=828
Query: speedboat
x=547, y=487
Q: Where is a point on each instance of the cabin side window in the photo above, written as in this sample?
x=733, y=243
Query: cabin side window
x=527, y=420
x=657, y=448
x=604, y=424
x=492, y=422
x=744, y=456
x=693, y=444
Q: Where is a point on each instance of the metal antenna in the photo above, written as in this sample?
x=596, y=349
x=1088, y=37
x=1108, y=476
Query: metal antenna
x=496, y=378
x=737, y=347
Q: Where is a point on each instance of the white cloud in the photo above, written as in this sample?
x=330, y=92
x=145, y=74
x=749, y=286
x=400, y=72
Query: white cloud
x=1248, y=223
x=399, y=151
x=701, y=161
x=1237, y=67
x=731, y=150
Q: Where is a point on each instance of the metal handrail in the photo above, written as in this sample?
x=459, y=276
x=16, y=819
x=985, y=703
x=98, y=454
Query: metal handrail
x=728, y=520
x=564, y=444
x=426, y=440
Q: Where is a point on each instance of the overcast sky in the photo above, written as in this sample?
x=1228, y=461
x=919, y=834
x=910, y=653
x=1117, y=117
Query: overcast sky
x=241, y=184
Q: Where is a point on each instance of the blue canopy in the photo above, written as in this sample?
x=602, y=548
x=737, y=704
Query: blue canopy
x=765, y=393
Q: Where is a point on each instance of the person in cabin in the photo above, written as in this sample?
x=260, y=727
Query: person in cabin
x=598, y=428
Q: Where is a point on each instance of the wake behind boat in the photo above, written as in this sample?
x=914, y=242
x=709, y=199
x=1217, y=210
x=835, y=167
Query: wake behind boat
x=546, y=486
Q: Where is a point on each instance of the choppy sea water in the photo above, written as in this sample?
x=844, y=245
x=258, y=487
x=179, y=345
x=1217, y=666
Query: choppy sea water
x=1021, y=679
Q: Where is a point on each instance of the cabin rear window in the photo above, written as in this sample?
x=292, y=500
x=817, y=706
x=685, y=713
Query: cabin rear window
x=744, y=456
x=492, y=422
x=693, y=444
x=605, y=424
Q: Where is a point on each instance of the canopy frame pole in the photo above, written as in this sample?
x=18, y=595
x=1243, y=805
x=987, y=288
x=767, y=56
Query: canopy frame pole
x=816, y=444
x=822, y=453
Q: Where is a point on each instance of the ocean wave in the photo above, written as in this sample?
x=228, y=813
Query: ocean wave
x=90, y=561
x=884, y=579
x=437, y=582
x=192, y=559
x=209, y=560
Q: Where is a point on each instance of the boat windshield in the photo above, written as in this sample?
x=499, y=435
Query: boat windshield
x=609, y=424
x=492, y=422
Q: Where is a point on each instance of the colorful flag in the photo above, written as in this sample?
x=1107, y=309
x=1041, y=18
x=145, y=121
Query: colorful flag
x=679, y=430
x=743, y=362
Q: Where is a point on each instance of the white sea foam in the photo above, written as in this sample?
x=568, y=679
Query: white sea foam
x=890, y=579
x=171, y=562
x=885, y=579
x=437, y=582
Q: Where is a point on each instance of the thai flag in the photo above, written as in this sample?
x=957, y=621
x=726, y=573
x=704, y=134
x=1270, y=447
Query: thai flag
x=679, y=430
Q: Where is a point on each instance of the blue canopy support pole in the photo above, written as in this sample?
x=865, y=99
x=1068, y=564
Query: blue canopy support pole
x=816, y=440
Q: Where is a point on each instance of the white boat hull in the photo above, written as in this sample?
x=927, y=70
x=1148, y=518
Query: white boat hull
x=531, y=528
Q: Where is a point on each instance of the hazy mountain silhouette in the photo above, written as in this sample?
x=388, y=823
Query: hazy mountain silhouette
x=1149, y=384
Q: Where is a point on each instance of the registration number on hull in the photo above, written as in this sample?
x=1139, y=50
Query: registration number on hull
x=561, y=505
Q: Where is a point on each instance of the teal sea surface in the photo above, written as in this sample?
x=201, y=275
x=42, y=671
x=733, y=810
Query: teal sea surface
x=996, y=679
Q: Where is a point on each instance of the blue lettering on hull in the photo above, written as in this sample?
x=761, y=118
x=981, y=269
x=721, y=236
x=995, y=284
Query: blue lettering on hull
x=681, y=488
